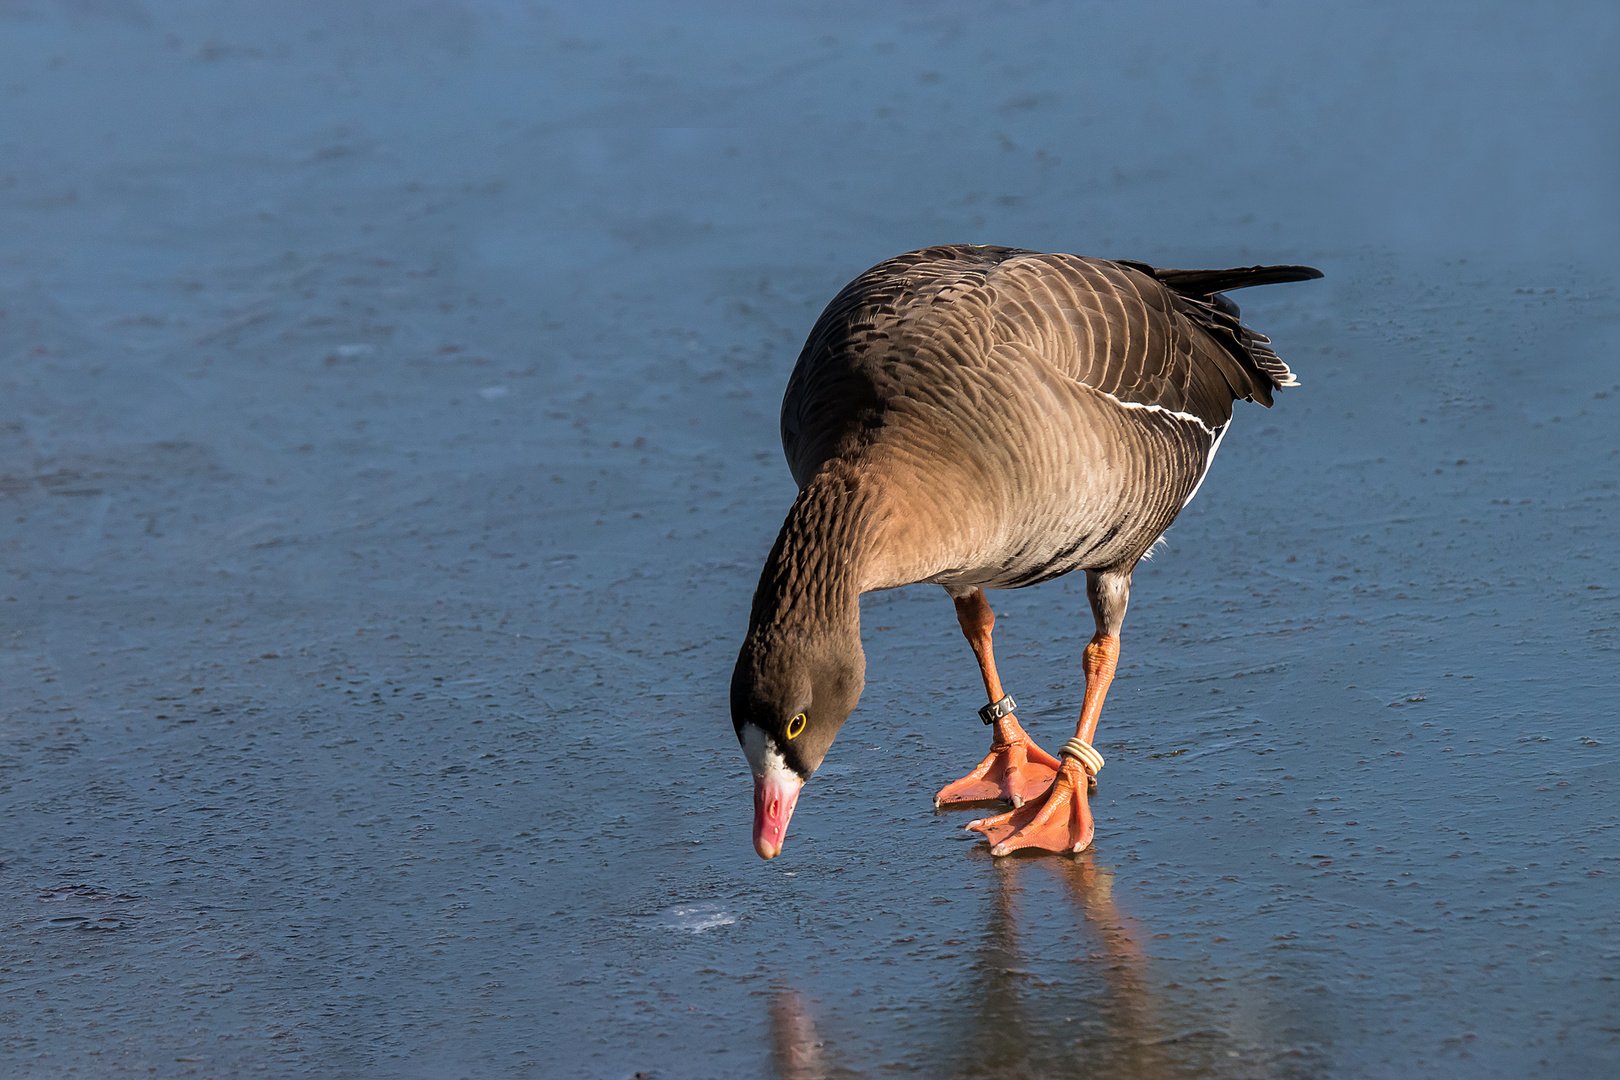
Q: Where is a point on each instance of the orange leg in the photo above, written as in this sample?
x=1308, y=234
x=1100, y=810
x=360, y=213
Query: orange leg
x=1062, y=820
x=1015, y=769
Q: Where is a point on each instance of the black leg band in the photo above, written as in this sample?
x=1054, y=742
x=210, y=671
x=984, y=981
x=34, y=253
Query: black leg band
x=997, y=709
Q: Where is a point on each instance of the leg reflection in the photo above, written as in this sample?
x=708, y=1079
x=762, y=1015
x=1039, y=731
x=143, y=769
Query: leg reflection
x=1001, y=1044
x=1129, y=1023
x=1038, y=1013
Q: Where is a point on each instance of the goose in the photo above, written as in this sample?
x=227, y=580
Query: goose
x=985, y=418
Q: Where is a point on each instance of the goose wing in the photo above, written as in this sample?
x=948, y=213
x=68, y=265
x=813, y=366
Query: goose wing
x=1161, y=339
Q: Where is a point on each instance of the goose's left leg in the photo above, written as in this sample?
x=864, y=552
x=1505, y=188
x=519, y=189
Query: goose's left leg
x=1015, y=769
x=1061, y=820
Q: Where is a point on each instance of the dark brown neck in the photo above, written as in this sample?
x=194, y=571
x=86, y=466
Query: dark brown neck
x=814, y=575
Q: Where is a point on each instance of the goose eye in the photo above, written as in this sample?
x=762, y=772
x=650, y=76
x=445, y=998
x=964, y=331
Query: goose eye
x=795, y=726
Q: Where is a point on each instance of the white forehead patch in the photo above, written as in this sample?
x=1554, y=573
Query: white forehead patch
x=763, y=756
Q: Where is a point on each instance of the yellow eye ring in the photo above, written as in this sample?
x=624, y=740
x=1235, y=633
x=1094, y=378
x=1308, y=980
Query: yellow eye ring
x=795, y=726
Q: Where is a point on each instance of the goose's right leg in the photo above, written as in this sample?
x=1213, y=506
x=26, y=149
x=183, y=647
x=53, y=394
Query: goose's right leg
x=1016, y=769
x=1060, y=820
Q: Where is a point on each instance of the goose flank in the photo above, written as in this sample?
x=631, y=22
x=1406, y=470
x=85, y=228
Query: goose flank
x=985, y=418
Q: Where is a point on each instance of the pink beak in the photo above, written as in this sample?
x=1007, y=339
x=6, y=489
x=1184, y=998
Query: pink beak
x=775, y=796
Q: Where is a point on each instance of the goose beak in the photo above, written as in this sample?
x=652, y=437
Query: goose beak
x=775, y=795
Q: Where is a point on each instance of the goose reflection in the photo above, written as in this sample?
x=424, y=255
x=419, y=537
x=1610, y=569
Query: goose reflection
x=1100, y=1018
x=796, y=1051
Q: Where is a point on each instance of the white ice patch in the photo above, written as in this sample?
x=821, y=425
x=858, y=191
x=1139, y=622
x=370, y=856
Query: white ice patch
x=695, y=918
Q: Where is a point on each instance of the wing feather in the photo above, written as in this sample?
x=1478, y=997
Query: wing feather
x=1163, y=339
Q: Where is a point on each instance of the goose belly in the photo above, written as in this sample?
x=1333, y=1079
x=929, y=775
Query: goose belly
x=1101, y=483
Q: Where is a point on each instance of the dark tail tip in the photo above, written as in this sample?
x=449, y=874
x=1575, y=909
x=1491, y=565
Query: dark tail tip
x=1207, y=282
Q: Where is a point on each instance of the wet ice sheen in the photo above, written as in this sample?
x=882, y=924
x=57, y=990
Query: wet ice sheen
x=380, y=719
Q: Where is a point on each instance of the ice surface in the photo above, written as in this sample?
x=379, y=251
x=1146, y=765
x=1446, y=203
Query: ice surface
x=388, y=448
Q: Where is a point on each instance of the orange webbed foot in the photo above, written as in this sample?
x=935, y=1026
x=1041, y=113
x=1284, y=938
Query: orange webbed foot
x=1061, y=821
x=1016, y=770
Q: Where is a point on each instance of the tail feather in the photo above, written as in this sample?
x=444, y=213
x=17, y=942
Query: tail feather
x=1199, y=296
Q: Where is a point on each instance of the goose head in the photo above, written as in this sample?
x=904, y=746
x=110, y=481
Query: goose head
x=790, y=695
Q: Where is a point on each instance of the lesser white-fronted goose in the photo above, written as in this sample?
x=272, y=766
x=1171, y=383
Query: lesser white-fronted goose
x=985, y=418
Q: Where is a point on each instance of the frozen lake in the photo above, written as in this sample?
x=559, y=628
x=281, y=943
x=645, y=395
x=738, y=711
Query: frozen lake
x=388, y=449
